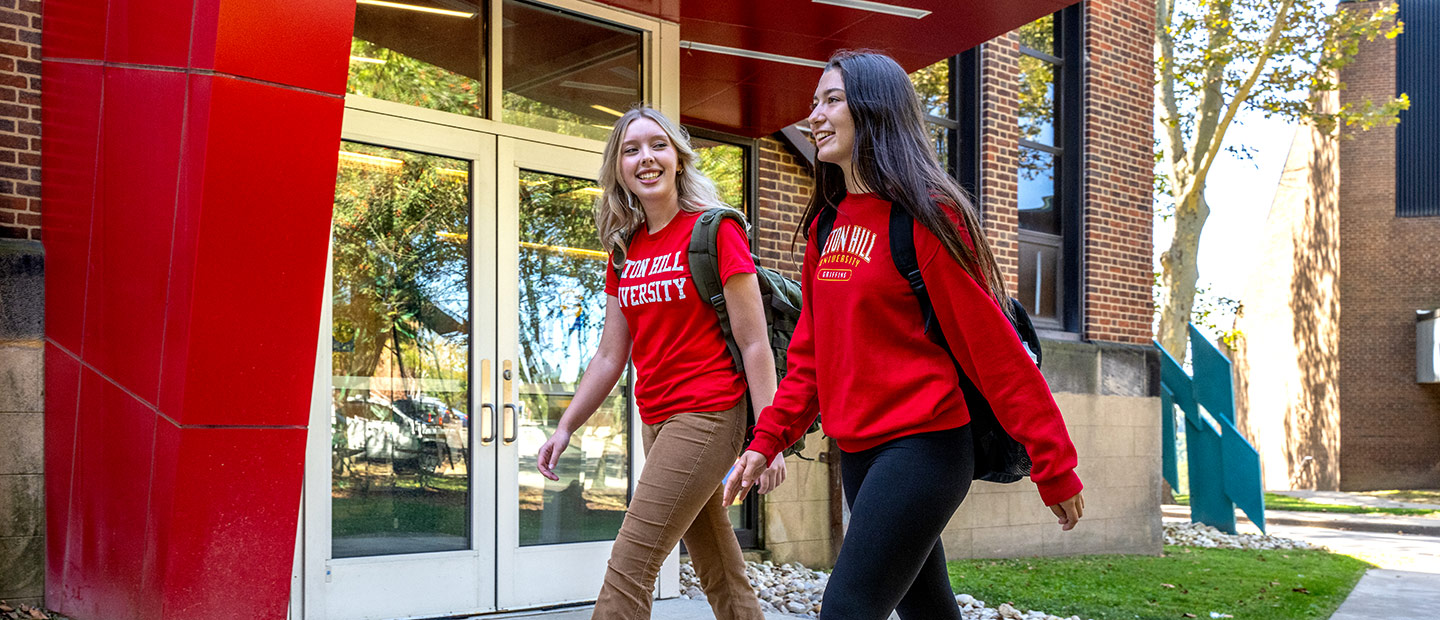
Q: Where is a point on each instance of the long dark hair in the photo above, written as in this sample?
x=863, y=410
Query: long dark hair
x=893, y=157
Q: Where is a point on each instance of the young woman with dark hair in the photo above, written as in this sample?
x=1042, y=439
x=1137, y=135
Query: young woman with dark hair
x=691, y=396
x=861, y=353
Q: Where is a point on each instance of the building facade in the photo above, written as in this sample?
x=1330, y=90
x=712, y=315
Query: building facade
x=1327, y=368
x=330, y=386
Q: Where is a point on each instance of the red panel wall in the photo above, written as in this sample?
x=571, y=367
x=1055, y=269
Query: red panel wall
x=190, y=152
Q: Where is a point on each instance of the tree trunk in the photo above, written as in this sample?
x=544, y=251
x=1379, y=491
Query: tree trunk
x=1180, y=271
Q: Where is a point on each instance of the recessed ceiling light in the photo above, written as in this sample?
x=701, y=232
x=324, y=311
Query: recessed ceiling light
x=412, y=7
x=877, y=7
x=744, y=53
x=599, y=88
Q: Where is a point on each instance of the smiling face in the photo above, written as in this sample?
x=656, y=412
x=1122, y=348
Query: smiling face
x=830, y=122
x=649, y=162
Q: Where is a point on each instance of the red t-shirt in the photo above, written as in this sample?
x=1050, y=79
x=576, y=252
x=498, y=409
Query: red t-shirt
x=860, y=353
x=681, y=362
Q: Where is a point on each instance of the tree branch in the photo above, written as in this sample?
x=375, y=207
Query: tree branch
x=1172, y=140
x=1213, y=149
x=1212, y=99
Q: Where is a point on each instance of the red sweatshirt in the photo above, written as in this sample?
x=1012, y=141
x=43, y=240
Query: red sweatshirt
x=860, y=353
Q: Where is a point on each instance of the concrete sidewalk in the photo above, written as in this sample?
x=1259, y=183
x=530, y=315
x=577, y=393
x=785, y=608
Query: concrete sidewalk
x=1392, y=595
x=1341, y=498
x=1333, y=520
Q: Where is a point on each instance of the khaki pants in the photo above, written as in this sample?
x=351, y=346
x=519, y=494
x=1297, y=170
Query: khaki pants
x=678, y=495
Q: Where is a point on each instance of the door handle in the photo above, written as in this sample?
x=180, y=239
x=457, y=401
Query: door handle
x=514, y=421
x=510, y=426
x=487, y=407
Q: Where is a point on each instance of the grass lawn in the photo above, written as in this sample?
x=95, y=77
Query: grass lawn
x=1276, y=501
x=1253, y=585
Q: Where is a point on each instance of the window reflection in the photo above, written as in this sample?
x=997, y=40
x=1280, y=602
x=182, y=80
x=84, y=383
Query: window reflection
x=725, y=165
x=1037, y=100
x=562, y=312
x=932, y=84
x=427, y=53
x=400, y=354
x=1039, y=35
x=1038, y=208
x=940, y=137
x=1039, y=275
x=566, y=73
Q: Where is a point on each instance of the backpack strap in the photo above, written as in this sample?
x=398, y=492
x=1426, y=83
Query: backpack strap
x=704, y=254
x=824, y=223
x=902, y=251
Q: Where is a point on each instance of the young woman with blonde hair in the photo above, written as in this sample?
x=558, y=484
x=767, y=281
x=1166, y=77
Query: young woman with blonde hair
x=691, y=397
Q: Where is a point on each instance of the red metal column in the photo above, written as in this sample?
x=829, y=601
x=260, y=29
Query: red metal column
x=189, y=158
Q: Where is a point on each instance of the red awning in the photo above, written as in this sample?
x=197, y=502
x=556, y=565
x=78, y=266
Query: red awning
x=754, y=97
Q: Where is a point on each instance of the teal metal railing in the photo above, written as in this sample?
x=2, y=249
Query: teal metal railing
x=1224, y=469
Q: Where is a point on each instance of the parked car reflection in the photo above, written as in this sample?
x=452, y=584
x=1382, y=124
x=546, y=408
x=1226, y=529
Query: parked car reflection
x=373, y=430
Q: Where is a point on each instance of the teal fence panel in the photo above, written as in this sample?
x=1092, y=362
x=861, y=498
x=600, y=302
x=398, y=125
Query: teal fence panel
x=1224, y=469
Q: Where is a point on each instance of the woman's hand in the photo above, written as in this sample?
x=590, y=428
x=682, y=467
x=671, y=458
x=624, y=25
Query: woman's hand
x=773, y=477
x=550, y=453
x=743, y=475
x=1069, y=511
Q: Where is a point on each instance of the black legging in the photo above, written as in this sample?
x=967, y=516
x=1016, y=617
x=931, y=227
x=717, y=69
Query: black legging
x=901, y=495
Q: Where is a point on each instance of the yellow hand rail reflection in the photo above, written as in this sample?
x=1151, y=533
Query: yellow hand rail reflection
x=557, y=249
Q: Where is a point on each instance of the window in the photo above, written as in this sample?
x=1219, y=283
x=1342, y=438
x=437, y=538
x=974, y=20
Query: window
x=567, y=73
x=430, y=54
x=1048, y=174
x=935, y=88
x=949, y=96
x=729, y=161
x=1417, y=155
x=558, y=71
x=726, y=161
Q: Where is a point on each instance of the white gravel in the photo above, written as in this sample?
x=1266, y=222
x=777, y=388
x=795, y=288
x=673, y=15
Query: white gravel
x=795, y=590
x=1201, y=535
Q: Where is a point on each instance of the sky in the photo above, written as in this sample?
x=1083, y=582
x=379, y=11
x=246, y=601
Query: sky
x=1239, y=192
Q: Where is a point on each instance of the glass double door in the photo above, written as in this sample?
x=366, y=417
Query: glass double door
x=465, y=295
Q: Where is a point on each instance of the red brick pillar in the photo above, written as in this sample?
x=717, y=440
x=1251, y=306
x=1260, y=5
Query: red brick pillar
x=189, y=155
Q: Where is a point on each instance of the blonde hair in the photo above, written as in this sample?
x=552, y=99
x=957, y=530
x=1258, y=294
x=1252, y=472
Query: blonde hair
x=618, y=212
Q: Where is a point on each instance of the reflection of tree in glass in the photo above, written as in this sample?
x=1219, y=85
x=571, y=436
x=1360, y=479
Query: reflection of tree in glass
x=402, y=265
x=932, y=84
x=724, y=164
x=1037, y=97
x=407, y=80
x=562, y=286
x=1039, y=35
x=527, y=112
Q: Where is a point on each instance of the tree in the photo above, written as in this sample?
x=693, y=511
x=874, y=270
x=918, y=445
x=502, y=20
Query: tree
x=1217, y=57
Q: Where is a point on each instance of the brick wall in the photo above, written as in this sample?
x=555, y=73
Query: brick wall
x=1119, y=161
x=1390, y=267
x=1287, y=360
x=785, y=184
x=1000, y=152
x=20, y=119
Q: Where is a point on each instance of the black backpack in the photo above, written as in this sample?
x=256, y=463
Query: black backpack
x=780, y=296
x=998, y=457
